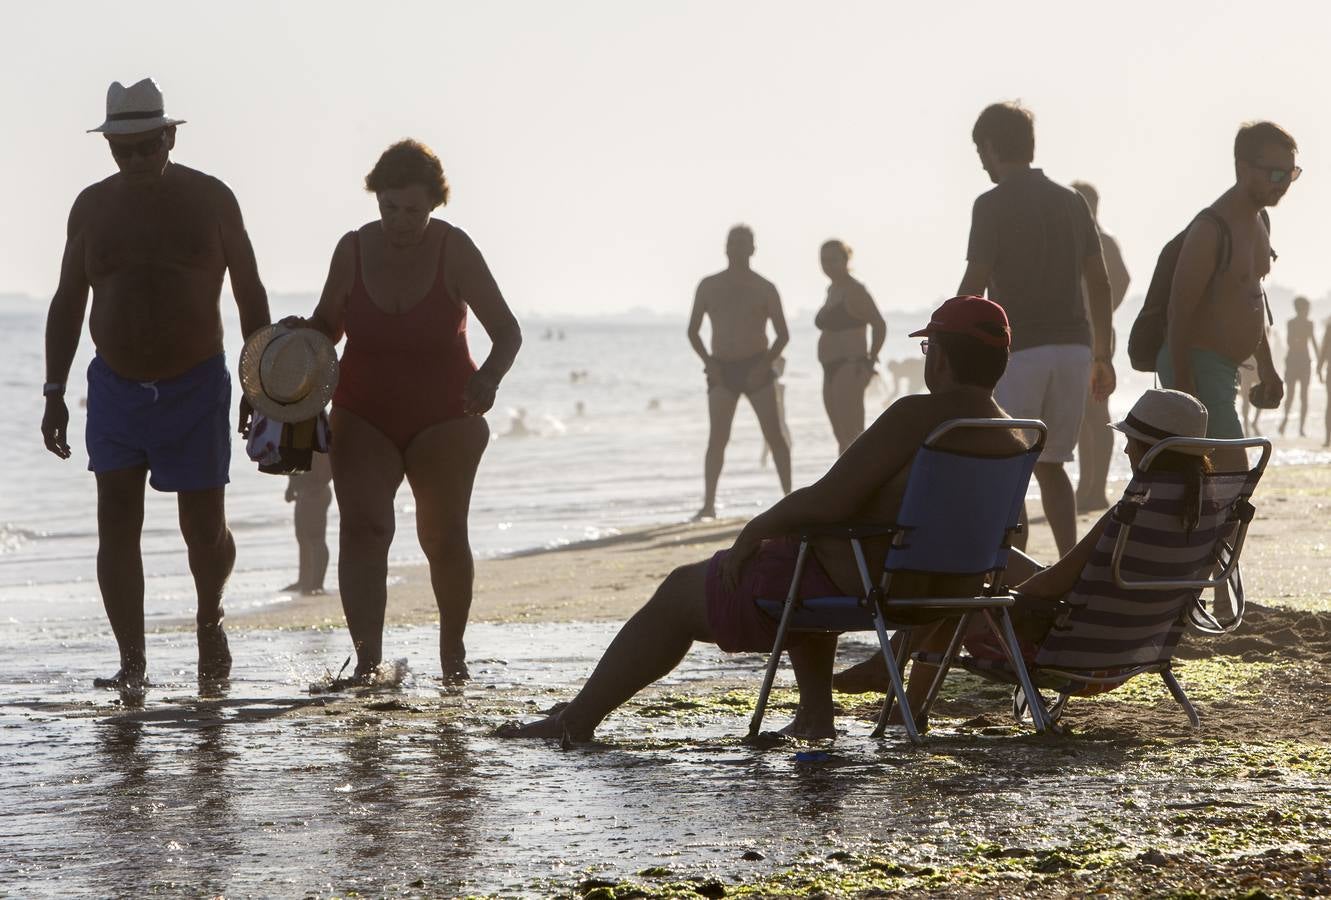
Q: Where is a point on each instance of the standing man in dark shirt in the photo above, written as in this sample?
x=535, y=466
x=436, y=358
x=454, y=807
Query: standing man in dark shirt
x=153, y=243
x=1033, y=244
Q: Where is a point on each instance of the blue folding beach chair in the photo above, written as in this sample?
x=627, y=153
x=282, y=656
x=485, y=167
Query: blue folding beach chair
x=957, y=518
x=1138, y=593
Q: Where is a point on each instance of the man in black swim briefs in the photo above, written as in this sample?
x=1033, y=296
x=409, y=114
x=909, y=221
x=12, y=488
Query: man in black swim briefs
x=739, y=303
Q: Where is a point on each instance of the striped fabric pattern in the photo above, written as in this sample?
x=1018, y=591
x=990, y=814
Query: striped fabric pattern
x=1108, y=627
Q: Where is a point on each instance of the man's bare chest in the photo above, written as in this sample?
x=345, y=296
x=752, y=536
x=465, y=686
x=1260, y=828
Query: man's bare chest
x=171, y=233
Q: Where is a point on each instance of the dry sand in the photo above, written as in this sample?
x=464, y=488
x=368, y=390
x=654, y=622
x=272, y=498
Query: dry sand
x=1287, y=563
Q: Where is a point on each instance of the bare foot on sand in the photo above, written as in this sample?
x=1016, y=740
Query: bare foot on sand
x=707, y=513
x=132, y=684
x=811, y=726
x=214, y=653
x=550, y=727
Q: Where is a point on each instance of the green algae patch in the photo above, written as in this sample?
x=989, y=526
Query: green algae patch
x=727, y=703
x=1207, y=679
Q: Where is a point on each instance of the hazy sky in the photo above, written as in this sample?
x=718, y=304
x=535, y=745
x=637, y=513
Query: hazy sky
x=599, y=151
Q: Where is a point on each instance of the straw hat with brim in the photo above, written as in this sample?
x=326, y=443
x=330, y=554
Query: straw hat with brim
x=133, y=109
x=288, y=374
x=1160, y=414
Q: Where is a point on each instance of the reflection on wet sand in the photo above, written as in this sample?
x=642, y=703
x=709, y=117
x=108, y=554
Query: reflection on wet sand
x=274, y=791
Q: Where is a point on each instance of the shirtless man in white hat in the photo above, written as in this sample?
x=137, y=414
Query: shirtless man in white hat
x=153, y=242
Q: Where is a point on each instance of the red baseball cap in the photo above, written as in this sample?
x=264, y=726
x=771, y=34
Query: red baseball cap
x=974, y=317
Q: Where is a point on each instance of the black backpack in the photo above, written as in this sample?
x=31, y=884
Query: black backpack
x=1148, y=329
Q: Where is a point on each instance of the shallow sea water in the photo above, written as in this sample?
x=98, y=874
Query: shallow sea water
x=269, y=790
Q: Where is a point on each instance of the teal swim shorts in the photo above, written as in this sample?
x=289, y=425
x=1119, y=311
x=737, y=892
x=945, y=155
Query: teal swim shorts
x=1217, y=380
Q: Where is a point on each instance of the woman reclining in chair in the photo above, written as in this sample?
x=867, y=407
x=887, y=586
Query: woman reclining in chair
x=1157, y=414
x=966, y=352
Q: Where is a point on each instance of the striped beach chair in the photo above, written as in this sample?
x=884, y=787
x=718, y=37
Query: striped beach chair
x=957, y=518
x=1138, y=593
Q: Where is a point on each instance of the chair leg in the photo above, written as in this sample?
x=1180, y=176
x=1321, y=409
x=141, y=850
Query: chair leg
x=774, y=661
x=902, y=637
x=896, y=687
x=944, y=665
x=1008, y=638
x=1176, y=689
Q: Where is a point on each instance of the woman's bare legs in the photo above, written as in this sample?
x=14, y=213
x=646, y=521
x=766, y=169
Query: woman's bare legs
x=367, y=470
x=441, y=465
x=843, y=398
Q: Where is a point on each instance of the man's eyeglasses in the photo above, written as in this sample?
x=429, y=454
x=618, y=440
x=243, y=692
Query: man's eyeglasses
x=146, y=147
x=1279, y=174
x=924, y=346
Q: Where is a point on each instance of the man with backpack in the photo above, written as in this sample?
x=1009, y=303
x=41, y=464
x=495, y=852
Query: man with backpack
x=1033, y=246
x=1215, y=304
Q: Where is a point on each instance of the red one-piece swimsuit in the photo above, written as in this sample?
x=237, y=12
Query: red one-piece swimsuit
x=403, y=372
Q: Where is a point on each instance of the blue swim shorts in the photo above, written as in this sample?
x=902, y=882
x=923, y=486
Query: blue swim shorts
x=180, y=428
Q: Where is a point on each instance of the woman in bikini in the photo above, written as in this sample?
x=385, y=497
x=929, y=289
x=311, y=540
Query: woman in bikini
x=410, y=400
x=847, y=367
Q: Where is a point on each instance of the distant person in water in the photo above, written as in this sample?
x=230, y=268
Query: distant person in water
x=846, y=355
x=1301, y=350
x=1216, y=312
x=311, y=492
x=714, y=601
x=739, y=303
x=410, y=400
x=1095, y=445
x=1035, y=250
x=154, y=242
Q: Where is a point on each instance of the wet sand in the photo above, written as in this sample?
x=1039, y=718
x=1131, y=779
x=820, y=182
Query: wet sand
x=403, y=790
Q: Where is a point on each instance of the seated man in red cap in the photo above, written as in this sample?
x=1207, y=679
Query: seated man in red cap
x=966, y=350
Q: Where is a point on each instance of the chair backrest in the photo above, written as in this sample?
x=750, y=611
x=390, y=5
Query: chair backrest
x=1130, y=604
x=960, y=509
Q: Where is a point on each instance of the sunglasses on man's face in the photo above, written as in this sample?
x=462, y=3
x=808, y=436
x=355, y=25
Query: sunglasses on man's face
x=1279, y=174
x=924, y=346
x=146, y=147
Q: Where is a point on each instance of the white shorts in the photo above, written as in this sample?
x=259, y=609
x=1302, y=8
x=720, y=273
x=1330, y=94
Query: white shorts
x=1049, y=383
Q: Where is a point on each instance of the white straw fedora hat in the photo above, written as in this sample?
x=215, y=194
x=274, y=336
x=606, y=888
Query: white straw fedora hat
x=1160, y=414
x=288, y=374
x=130, y=110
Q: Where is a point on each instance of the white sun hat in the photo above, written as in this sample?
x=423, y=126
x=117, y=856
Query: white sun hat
x=1160, y=414
x=133, y=109
x=288, y=374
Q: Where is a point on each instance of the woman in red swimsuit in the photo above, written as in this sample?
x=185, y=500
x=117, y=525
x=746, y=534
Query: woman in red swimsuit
x=409, y=401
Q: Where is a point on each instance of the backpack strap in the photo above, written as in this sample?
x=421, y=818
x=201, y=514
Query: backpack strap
x=1225, y=252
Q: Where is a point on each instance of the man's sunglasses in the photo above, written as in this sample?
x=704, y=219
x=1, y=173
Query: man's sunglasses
x=924, y=346
x=1279, y=174
x=146, y=147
